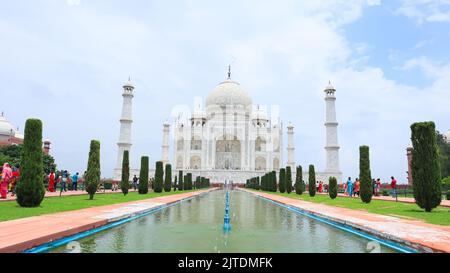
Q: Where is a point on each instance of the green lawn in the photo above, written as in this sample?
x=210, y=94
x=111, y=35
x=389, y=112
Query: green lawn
x=439, y=216
x=10, y=210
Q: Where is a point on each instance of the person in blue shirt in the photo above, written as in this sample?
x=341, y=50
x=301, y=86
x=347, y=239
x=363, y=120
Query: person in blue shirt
x=350, y=187
x=75, y=181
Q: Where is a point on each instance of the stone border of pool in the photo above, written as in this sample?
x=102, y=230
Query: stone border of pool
x=27, y=233
x=411, y=233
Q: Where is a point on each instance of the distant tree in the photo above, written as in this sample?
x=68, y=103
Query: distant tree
x=30, y=190
x=426, y=170
x=13, y=154
x=143, y=175
x=180, y=183
x=299, y=186
x=365, y=177
x=332, y=187
x=168, y=178
x=159, y=174
x=288, y=179
x=189, y=181
x=258, y=185
x=312, y=181
x=282, y=180
x=274, y=181
x=125, y=181
x=92, y=178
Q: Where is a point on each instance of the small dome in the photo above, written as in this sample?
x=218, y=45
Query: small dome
x=447, y=136
x=129, y=83
x=228, y=93
x=6, y=128
x=330, y=87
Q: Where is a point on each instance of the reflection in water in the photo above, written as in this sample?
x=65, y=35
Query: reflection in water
x=196, y=226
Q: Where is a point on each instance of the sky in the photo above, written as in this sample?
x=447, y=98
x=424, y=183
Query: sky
x=65, y=61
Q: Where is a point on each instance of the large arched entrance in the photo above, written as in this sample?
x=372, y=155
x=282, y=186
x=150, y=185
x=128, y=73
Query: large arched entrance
x=228, y=154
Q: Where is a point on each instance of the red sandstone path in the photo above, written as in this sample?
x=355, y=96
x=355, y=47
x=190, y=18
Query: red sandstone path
x=414, y=233
x=444, y=203
x=67, y=193
x=22, y=234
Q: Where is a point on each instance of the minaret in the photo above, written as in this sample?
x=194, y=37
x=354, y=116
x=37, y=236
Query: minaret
x=291, y=147
x=331, y=124
x=165, y=145
x=126, y=121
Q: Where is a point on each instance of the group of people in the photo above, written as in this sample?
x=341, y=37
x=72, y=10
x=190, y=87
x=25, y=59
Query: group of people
x=320, y=187
x=352, y=188
x=9, y=177
x=63, y=178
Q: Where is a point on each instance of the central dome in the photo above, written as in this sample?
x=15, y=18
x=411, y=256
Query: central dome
x=6, y=128
x=228, y=93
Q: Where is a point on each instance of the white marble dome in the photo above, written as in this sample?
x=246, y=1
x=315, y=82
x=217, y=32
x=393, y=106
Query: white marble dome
x=6, y=127
x=228, y=93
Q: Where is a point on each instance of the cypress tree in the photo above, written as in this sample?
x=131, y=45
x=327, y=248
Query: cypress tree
x=159, y=174
x=168, y=178
x=175, y=184
x=274, y=181
x=125, y=182
x=299, y=181
x=426, y=169
x=30, y=190
x=189, y=180
x=143, y=175
x=92, y=178
x=332, y=187
x=180, y=183
x=366, y=188
x=288, y=179
x=312, y=181
x=282, y=180
x=258, y=185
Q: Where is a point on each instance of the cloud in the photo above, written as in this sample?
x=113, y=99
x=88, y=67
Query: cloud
x=69, y=68
x=426, y=10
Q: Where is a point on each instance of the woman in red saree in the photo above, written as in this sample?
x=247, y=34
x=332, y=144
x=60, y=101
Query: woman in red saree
x=6, y=177
x=51, y=182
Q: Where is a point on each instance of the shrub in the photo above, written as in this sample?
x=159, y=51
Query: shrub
x=180, y=183
x=143, y=175
x=366, y=188
x=159, y=173
x=446, y=184
x=274, y=181
x=168, y=178
x=426, y=171
x=282, y=180
x=332, y=187
x=312, y=181
x=299, y=186
x=125, y=181
x=175, y=184
x=30, y=189
x=288, y=179
x=92, y=178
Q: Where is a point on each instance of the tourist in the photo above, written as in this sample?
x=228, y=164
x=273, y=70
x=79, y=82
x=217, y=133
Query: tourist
x=394, y=187
x=64, y=176
x=6, y=177
x=350, y=187
x=135, y=182
x=75, y=182
x=320, y=187
x=357, y=187
x=51, y=181
x=15, y=179
x=378, y=187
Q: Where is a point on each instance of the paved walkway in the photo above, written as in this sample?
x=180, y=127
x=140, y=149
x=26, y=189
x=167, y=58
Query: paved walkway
x=444, y=203
x=57, y=194
x=22, y=234
x=417, y=234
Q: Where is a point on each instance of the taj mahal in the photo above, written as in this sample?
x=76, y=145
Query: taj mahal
x=230, y=138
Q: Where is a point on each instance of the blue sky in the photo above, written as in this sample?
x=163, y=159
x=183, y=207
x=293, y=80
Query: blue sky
x=64, y=61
